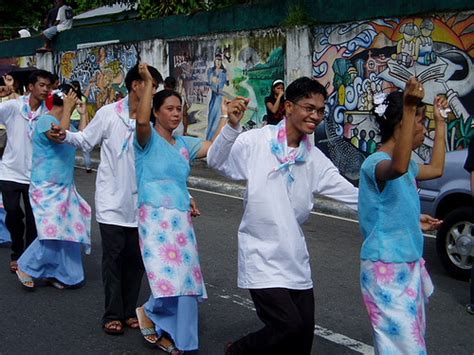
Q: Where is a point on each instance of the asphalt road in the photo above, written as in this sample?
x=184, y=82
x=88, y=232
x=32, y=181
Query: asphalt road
x=50, y=321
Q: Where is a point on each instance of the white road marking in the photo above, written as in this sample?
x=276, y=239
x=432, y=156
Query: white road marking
x=322, y=332
x=315, y=213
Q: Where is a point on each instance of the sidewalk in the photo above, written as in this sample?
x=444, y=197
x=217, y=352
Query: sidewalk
x=205, y=178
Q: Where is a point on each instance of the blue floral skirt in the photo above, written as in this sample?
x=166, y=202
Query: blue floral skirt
x=395, y=295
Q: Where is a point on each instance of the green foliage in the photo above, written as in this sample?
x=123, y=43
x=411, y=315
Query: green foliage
x=463, y=131
x=30, y=14
x=24, y=14
x=298, y=15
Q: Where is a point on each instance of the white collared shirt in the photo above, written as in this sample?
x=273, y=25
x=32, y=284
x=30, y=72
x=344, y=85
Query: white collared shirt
x=116, y=186
x=16, y=162
x=272, y=248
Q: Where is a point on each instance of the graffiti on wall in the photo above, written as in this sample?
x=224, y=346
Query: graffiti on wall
x=209, y=71
x=358, y=60
x=100, y=71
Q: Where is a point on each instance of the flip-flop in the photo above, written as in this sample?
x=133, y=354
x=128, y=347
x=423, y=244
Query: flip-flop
x=115, y=330
x=24, y=281
x=146, y=332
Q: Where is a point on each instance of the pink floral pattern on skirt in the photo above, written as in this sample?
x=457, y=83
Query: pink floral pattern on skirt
x=395, y=295
x=61, y=213
x=169, y=250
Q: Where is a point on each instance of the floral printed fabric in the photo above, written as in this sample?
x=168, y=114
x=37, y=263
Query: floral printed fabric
x=285, y=155
x=395, y=295
x=60, y=213
x=169, y=252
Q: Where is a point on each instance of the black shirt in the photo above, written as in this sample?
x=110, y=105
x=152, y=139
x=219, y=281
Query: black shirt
x=274, y=118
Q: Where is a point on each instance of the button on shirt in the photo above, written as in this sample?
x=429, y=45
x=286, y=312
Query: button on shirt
x=16, y=162
x=272, y=248
x=116, y=187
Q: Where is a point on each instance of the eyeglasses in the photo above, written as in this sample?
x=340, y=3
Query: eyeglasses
x=311, y=109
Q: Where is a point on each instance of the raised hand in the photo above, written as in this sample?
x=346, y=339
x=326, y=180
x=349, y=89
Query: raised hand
x=9, y=81
x=70, y=101
x=236, y=109
x=440, y=105
x=144, y=72
x=414, y=92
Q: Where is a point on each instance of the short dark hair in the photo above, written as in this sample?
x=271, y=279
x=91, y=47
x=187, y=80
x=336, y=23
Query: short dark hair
x=133, y=75
x=160, y=97
x=40, y=73
x=170, y=82
x=304, y=87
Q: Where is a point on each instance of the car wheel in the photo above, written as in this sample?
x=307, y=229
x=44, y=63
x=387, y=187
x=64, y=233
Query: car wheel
x=455, y=242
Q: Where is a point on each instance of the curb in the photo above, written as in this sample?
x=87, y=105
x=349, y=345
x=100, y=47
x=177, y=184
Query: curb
x=321, y=204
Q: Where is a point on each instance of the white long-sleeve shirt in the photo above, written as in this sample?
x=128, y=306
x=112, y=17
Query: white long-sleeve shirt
x=116, y=186
x=272, y=250
x=16, y=162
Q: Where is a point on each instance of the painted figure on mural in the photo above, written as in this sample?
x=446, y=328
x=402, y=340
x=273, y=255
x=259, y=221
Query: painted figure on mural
x=362, y=141
x=407, y=47
x=371, y=143
x=217, y=79
x=355, y=138
x=426, y=54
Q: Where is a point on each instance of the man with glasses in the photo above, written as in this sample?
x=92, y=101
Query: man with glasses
x=283, y=170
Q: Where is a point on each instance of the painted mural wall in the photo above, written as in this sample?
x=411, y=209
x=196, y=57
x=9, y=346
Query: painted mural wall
x=100, y=71
x=355, y=61
x=210, y=70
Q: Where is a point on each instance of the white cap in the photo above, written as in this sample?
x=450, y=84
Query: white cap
x=24, y=33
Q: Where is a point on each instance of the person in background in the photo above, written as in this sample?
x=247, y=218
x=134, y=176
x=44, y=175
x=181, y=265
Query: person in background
x=54, y=81
x=469, y=166
x=182, y=129
x=63, y=22
x=275, y=103
x=51, y=16
x=76, y=118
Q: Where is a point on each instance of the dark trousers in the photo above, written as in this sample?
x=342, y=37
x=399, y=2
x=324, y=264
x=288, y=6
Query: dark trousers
x=122, y=271
x=288, y=316
x=12, y=192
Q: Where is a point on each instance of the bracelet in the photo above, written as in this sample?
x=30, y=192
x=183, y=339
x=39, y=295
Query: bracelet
x=224, y=117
